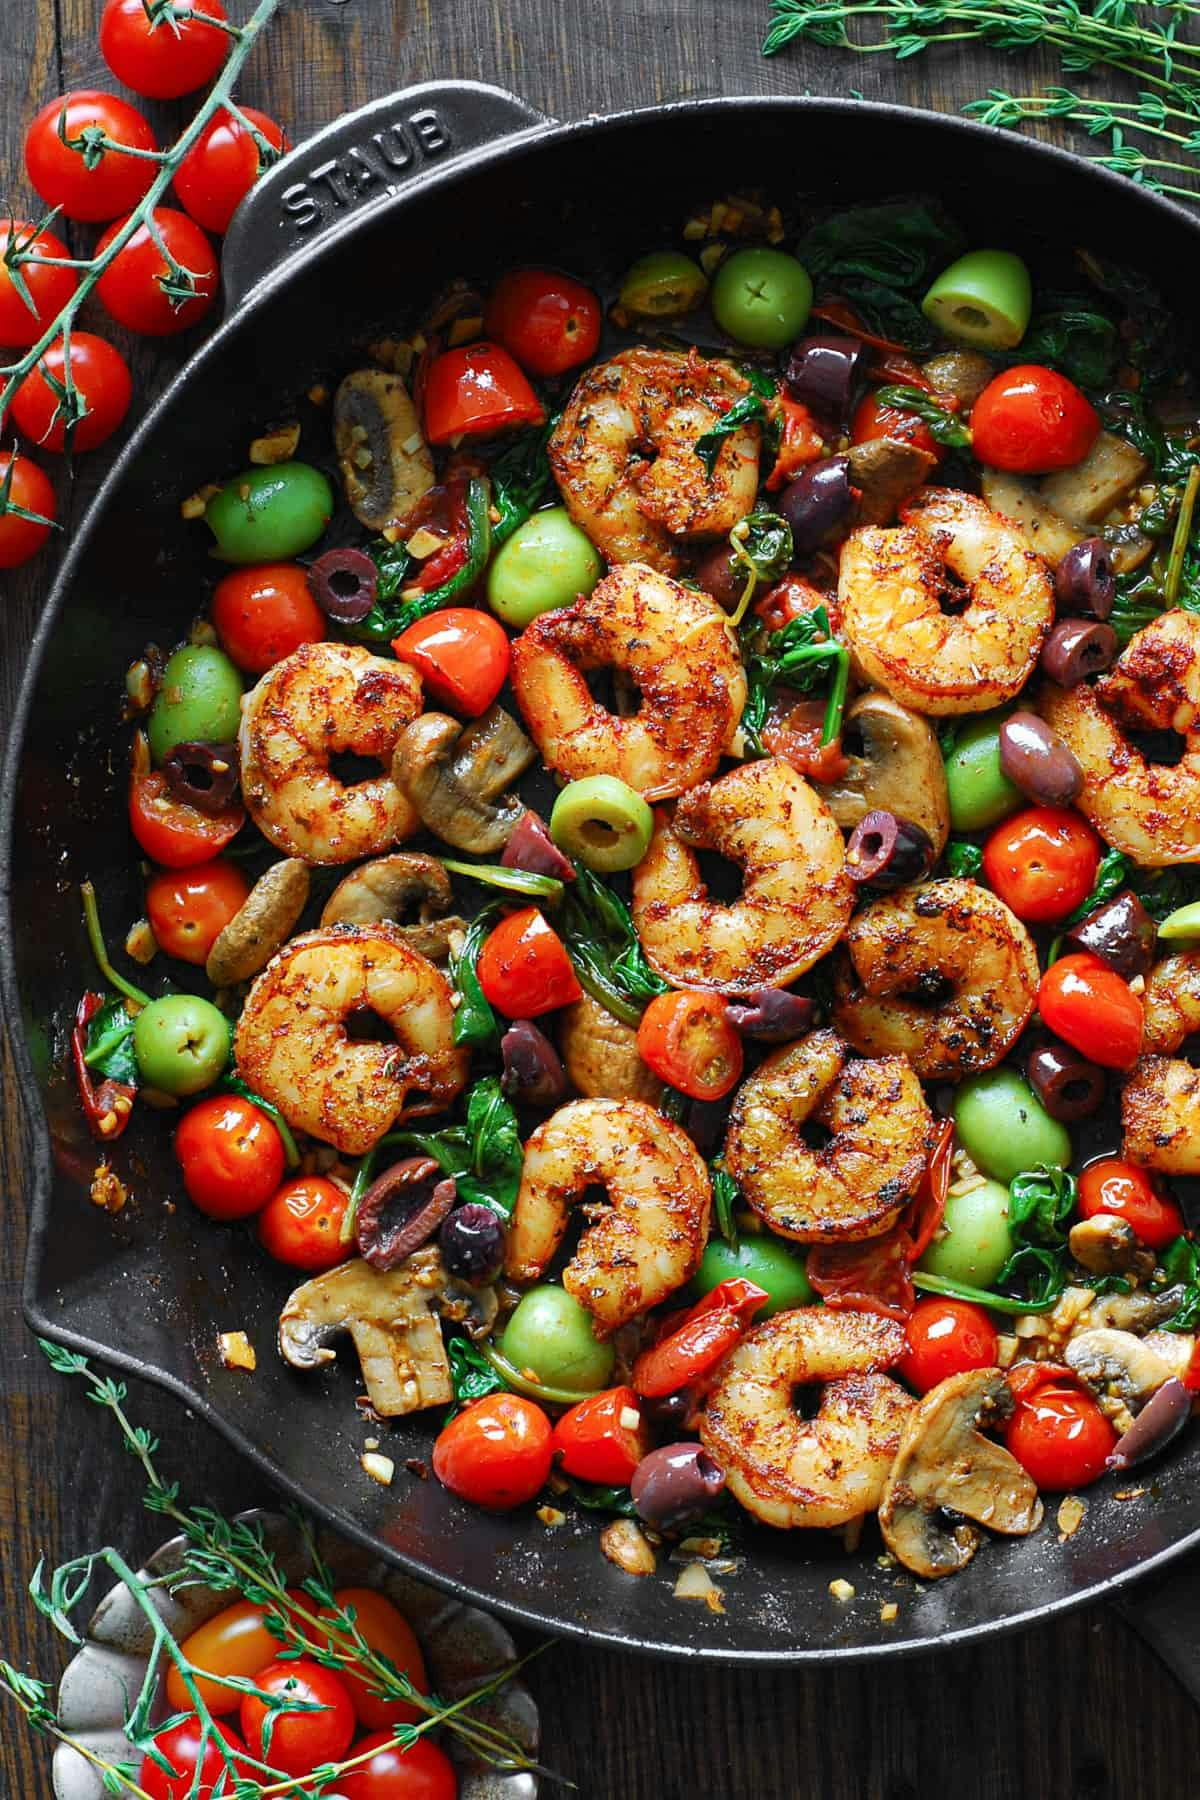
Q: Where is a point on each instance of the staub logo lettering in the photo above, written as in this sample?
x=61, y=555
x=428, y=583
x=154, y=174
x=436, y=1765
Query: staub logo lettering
x=364, y=169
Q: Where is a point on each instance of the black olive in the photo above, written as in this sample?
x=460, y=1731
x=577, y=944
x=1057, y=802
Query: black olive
x=705, y=1122
x=1161, y=1419
x=472, y=1244
x=1036, y=760
x=771, y=1015
x=822, y=373
x=530, y=847
x=675, y=1484
x=669, y=1413
x=533, y=1074
x=344, y=584
x=401, y=1210
x=721, y=575
x=203, y=775
x=1085, y=583
x=885, y=851
x=818, y=503
x=1077, y=648
x=1121, y=933
x=1067, y=1084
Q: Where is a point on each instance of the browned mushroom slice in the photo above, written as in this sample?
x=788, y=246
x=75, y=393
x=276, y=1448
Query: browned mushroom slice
x=946, y=1466
x=456, y=779
x=1126, y=1367
x=385, y=463
x=886, y=472
x=388, y=888
x=963, y=374
x=262, y=925
x=1060, y=510
x=895, y=766
x=601, y=1056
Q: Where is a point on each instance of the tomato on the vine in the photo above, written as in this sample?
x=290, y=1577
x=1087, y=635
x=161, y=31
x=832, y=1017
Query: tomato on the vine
x=301, y=1224
x=461, y=655
x=874, y=418
x=1124, y=1191
x=1042, y=862
x=383, y=1628
x=1031, y=420
x=688, y=1039
x=222, y=166
x=161, y=62
x=946, y=1337
x=138, y=287
x=264, y=612
x=477, y=390
x=603, y=1438
x=23, y=485
x=299, y=1741
x=1089, y=1005
x=496, y=1453
x=549, y=322
x=523, y=968
x=1060, y=1437
x=231, y=1155
x=422, y=1772
x=173, y=833
x=102, y=380
x=189, y=909
x=181, y=1746
x=49, y=288
x=58, y=172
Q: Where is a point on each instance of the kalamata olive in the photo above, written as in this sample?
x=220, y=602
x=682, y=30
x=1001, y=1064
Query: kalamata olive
x=822, y=373
x=886, y=851
x=1085, y=583
x=705, y=1122
x=530, y=847
x=1077, y=648
x=1067, y=1084
x=344, y=584
x=1121, y=933
x=533, y=1073
x=771, y=1015
x=203, y=775
x=818, y=503
x=1161, y=1419
x=674, y=1484
x=472, y=1244
x=401, y=1210
x=669, y=1414
x=1036, y=760
x=721, y=576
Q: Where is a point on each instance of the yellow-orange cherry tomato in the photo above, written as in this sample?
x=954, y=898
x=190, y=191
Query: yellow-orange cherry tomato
x=386, y=1630
x=235, y=1642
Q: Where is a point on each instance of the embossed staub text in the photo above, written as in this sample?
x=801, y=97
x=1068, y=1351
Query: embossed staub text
x=366, y=169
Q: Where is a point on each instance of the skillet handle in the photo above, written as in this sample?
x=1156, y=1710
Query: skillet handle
x=356, y=163
x=1165, y=1612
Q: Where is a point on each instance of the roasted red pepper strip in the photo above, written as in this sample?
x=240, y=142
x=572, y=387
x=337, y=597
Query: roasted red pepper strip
x=836, y=312
x=697, y=1344
x=800, y=441
x=875, y=1276
x=106, y=1108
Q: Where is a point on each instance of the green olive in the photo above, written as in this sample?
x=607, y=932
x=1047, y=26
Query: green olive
x=974, y=1241
x=766, y=1262
x=984, y=299
x=199, y=701
x=547, y=562
x=762, y=298
x=662, y=285
x=270, y=514
x=1004, y=1128
x=1182, y=927
x=980, y=792
x=181, y=1043
x=550, y=1336
x=603, y=822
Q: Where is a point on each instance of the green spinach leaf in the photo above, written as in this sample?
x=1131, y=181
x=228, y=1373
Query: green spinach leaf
x=108, y=1045
x=944, y=426
x=521, y=478
x=1083, y=343
x=475, y=1024
x=800, y=656
x=471, y=1374
x=1181, y=1263
x=598, y=931
x=493, y=1174
x=725, y=1197
x=964, y=859
x=1111, y=875
x=751, y=409
x=387, y=619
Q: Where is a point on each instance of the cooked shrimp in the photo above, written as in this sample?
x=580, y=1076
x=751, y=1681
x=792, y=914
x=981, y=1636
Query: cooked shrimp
x=674, y=645
x=944, y=974
x=624, y=455
x=322, y=701
x=856, y=1183
x=1160, y=1105
x=796, y=896
x=650, y=1237
x=293, y=1043
x=1149, y=810
x=948, y=610
x=1171, y=1002
x=791, y=1471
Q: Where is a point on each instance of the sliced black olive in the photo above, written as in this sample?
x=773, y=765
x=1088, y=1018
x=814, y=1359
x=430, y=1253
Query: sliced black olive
x=344, y=584
x=1162, y=1418
x=401, y=1210
x=1121, y=933
x=822, y=373
x=203, y=775
x=1085, y=583
x=818, y=503
x=533, y=1073
x=1067, y=1084
x=885, y=851
x=771, y=1015
x=1036, y=760
x=1077, y=648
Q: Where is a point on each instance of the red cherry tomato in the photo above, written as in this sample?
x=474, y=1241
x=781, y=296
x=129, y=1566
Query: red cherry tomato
x=172, y=833
x=189, y=910
x=162, y=62
x=1042, y=862
x=181, y=1746
x=231, y=1156
x=24, y=485
x=422, y=1772
x=300, y=1741
x=1085, y=1002
x=49, y=288
x=1126, y=1192
x=523, y=968
x=496, y=1453
x=58, y=173
x=234, y=1642
x=946, y=1337
x=1060, y=1437
x=101, y=377
x=1032, y=420
x=793, y=731
x=694, y=1345
x=549, y=322
x=688, y=1039
x=800, y=441
x=134, y=286
x=461, y=655
x=222, y=166
x=604, y=1438
x=302, y=1221
x=262, y=614
x=873, y=419
x=385, y=1629
x=475, y=391
x=786, y=600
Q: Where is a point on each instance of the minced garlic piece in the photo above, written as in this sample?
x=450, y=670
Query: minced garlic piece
x=237, y=1352
x=276, y=446
x=195, y=506
x=424, y=542
x=1071, y=1511
x=889, y=1613
x=624, y=1544
x=695, y=1583
x=551, y=1517
x=379, y=1468
x=841, y=1590
x=140, y=942
x=107, y=1189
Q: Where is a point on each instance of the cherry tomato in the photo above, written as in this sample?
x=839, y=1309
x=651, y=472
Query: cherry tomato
x=59, y=174
x=549, y=322
x=1127, y=1192
x=523, y=968
x=189, y=910
x=23, y=484
x=604, y=1438
x=496, y=1453
x=1060, y=1437
x=173, y=833
x=231, y=1156
x=134, y=286
x=461, y=655
x=1042, y=862
x=475, y=391
x=873, y=419
x=222, y=166
x=1088, y=1004
x=422, y=1772
x=1032, y=420
x=946, y=1337
x=793, y=731
x=688, y=1039
x=49, y=288
x=383, y=1628
x=235, y=1642
x=261, y=614
x=181, y=1746
x=163, y=62
x=300, y=1741
x=800, y=441
x=786, y=600
x=695, y=1344
x=102, y=379
x=302, y=1221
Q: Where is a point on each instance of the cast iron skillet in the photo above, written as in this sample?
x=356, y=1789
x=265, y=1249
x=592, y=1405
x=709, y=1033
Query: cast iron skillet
x=385, y=205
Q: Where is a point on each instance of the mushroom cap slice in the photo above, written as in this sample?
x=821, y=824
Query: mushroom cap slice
x=262, y=925
x=601, y=1056
x=945, y=1465
x=1116, y=1362
x=899, y=769
x=886, y=472
x=456, y=779
x=385, y=463
x=383, y=890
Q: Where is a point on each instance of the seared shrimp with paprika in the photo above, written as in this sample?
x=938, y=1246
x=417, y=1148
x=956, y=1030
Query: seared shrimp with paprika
x=1160, y=1104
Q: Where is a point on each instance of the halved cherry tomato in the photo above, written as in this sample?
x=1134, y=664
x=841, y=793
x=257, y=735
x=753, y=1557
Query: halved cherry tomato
x=694, y=1346
x=1191, y=1379
x=604, y=1438
x=496, y=1453
x=163, y=61
x=1084, y=1001
x=946, y=1337
x=474, y=391
x=181, y=1746
x=793, y=731
x=235, y=1642
x=924, y=1213
x=800, y=442
x=261, y=614
x=104, y=385
x=172, y=833
x=523, y=968
x=383, y=1628
x=301, y=1223
x=873, y=419
x=786, y=600
x=29, y=488
x=190, y=909
x=231, y=1156
x=422, y=1772
x=549, y=322
x=59, y=172
x=1060, y=1437
x=222, y=166
x=134, y=285
x=1126, y=1192
x=300, y=1741
x=688, y=1039
x=49, y=288
x=461, y=655
x=1042, y=862
x=1032, y=420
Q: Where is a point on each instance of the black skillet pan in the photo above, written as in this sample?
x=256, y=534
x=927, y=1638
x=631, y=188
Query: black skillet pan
x=371, y=214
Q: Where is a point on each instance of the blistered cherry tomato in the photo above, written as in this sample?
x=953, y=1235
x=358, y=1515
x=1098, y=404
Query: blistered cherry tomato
x=173, y=833
x=301, y=1223
x=102, y=380
x=1060, y=1437
x=383, y=1628
x=496, y=1453
x=604, y=1438
x=1084, y=1001
x=461, y=655
x=263, y=613
x=59, y=173
x=235, y=1642
x=28, y=488
x=1042, y=862
x=162, y=62
x=695, y=1344
x=48, y=288
x=181, y=1746
x=222, y=166
x=549, y=322
x=189, y=909
x=523, y=968
x=134, y=287
x=475, y=391
x=946, y=1337
x=874, y=419
x=1032, y=420
x=422, y=1772
x=299, y=1742
x=786, y=600
x=688, y=1039
x=231, y=1156
x=1127, y=1192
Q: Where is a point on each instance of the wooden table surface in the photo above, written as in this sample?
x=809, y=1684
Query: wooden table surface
x=1077, y=1708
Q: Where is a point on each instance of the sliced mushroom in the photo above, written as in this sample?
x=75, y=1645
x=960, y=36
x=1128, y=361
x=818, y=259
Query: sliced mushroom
x=1117, y=1363
x=385, y=462
x=886, y=472
x=961, y=373
x=945, y=1465
x=456, y=778
x=262, y=924
x=1061, y=510
x=895, y=766
x=1104, y=1244
x=391, y=886
x=601, y=1057
x=1087, y=492
x=1138, y=1312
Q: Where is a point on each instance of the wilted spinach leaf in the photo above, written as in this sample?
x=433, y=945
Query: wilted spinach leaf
x=108, y=1045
